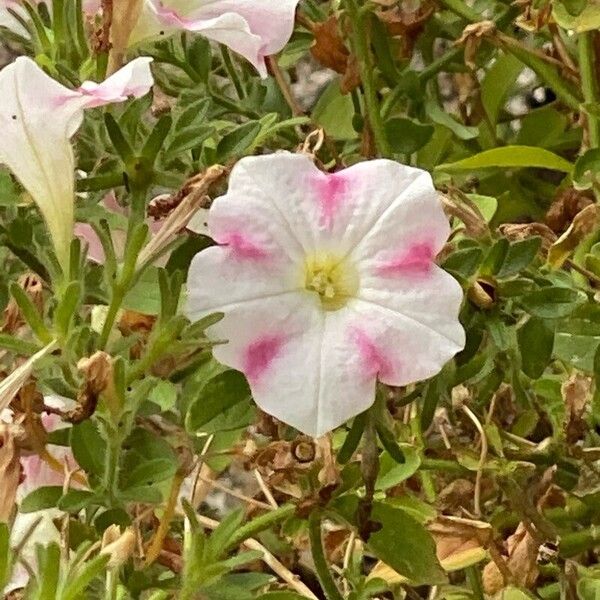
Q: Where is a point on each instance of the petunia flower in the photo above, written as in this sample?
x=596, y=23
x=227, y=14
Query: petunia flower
x=38, y=116
x=38, y=473
x=253, y=28
x=327, y=283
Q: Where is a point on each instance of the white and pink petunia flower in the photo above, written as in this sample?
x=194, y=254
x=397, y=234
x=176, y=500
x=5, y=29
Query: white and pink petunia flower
x=327, y=283
x=37, y=473
x=253, y=28
x=38, y=116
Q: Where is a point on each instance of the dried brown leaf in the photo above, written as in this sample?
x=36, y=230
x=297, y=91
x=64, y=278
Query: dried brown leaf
x=10, y=473
x=460, y=542
x=522, y=551
x=576, y=393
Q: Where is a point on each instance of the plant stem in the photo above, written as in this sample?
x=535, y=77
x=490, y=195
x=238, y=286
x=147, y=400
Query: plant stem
x=322, y=568
x=361, y=43
x=111, y=463
x=116, y=300
x=260, y=524
x=462, y=10
x=474, y=580
x=579, y=541
x=589, y=83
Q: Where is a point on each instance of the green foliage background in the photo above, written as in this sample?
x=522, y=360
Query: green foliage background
x=505, y=116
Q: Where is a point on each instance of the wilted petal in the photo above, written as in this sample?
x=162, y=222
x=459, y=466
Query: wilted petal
x=252, y=29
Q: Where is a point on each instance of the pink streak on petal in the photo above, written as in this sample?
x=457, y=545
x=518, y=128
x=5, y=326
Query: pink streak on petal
x=373, y=361
x=331, y=189
x=416, y=261
x=260, y=354
x=87, y=234
x=243, y=247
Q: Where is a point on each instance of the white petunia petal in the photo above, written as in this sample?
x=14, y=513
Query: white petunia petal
x=299, y=361
x=415, y=329
x=250, y=28
x=335, y=211
x=241, y=278
x=38, y=116
x=133, y=80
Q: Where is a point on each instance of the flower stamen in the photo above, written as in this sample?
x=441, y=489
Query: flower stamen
x=332, y=278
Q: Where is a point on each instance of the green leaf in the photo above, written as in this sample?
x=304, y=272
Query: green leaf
x=164, y=393
x=519, y=256
x=236, y=142
x=510, y=157
x=405, y=545
x=16, y=345
x=587, y=20
x=78, y=582
x=536, y=341
x=41, y=499
x=441, y=117
x=76, y=500
x=352, y=439
x=391, y=472
x=149, y=472
x=30, y=313
x=8, y=190
x=144, y=297
x=552, y=302
x=497, y=83
x=6, y=558
x=121, y=145
x=65, y=311
x=219, y=395
x=334, y=112
x=587, y=168
x=157, y=138
x=88, y=447
x=407, y=136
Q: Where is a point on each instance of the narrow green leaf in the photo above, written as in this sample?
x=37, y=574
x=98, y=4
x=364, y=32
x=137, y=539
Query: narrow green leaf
x=510, y=157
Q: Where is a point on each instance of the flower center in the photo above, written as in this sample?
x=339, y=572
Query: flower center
x=335, y=280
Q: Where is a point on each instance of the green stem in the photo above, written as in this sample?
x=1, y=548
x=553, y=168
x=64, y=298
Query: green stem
x=474, y=581
x=322, y=568
x=118, y=294
x=58, y=23
x=260, y=524
x=462, y=10
x=232, y=72
x=361, y=43
x=440, y=464
x=575, y=543
x=111, y=463
x=589, y=83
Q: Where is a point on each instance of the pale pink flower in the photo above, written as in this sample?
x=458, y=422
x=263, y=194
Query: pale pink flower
x=253, y=28
x=38, y=116
x=327, y=283
x=37, y=473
